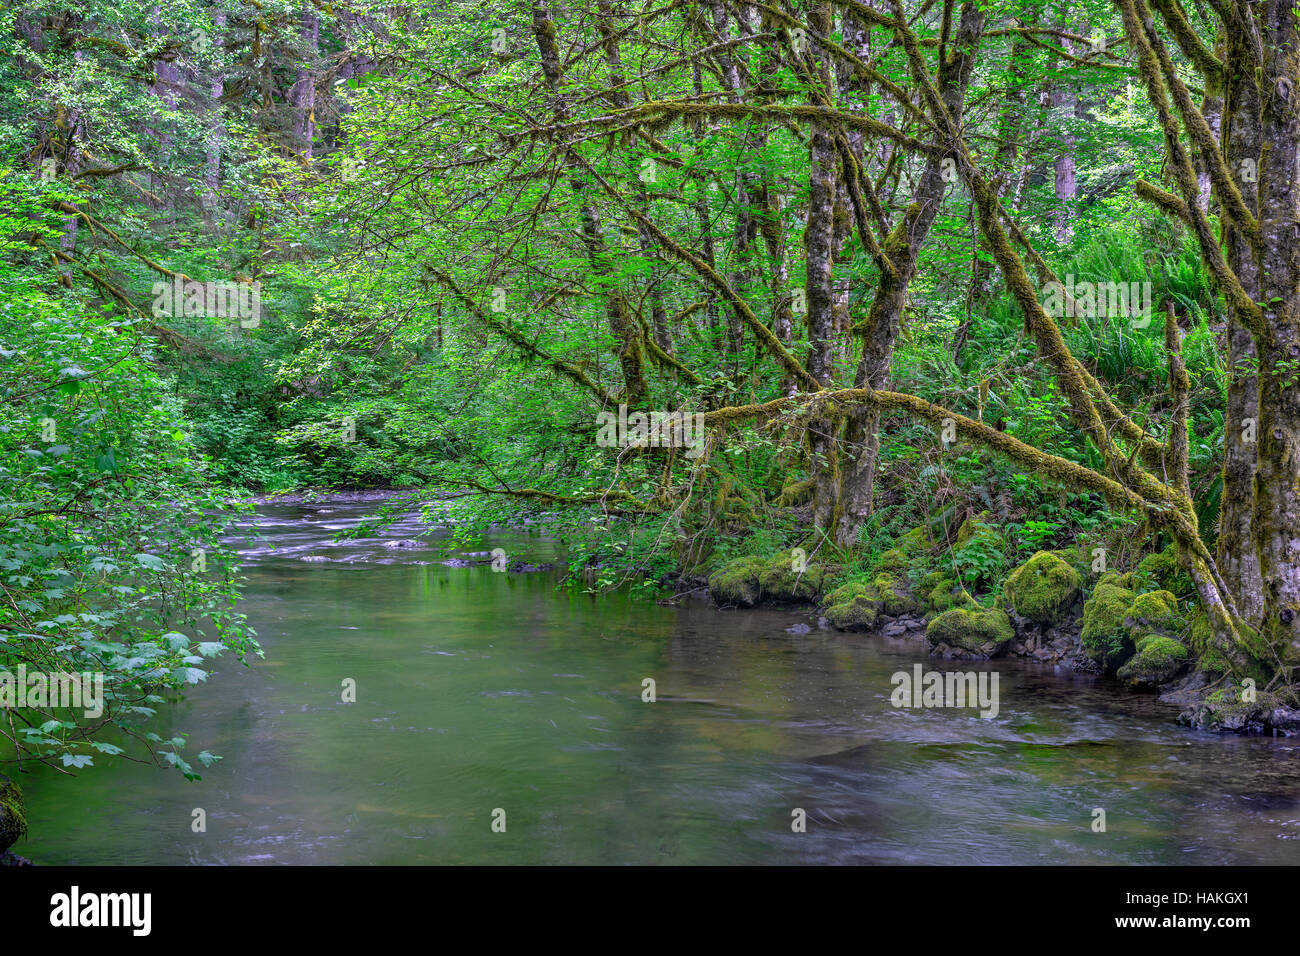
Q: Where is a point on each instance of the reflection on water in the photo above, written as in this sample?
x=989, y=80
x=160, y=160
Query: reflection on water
x=479, y=690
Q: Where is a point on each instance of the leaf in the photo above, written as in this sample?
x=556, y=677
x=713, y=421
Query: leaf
x=175, y=640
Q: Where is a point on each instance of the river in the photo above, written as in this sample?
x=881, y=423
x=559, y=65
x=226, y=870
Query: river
x=485, y=696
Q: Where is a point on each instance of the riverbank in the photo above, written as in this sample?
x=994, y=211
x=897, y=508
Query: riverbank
x=1129, y=626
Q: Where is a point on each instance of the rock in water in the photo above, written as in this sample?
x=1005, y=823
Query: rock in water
x=971, y=632
x=13, y=817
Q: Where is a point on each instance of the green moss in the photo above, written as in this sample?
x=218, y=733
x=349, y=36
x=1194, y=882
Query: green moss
x=1155, y=610
x=1104, y=637
x=892, y=560
x=983, y=631
x=795, y=493
x=1043, y=588
x=736, y=583
x=857, y=605
x=746, y=581
x=13, y=816
x=852, y=607
x=779, y=581
x=843, y=593
x=1115, y=579
x=1199, y=632
x=1158, y=659
x=908, y=550
x=895, y=599
x=969, y=529
x=914, y=541
x=1200, y=637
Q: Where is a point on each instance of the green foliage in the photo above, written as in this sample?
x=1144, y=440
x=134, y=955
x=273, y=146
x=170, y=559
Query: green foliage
x=111, y=553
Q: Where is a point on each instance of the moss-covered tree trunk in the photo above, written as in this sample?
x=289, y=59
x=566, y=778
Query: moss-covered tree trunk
x=819, y=247
x=1236, y=553
x=1277, y=474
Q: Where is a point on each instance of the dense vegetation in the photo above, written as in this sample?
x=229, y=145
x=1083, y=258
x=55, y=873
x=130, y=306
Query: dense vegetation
x=879, y=247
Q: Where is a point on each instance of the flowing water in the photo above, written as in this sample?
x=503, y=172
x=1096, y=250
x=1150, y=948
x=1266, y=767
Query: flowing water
x=479, y=692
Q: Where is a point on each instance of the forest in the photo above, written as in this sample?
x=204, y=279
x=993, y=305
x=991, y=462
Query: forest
x=972, y=325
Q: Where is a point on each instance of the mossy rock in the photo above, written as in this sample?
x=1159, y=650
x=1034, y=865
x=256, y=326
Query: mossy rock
x=779, y=581
x=1153, y=611
x=969, y=529
x=1105, y=638
x=736, y=582
x=1162, y=571
x=1115, y=579
x=894, y=596
x=852, y=607
x=1158, y=660
x=981, y=631
x=1043, y=588
x=1228, y=709
x=893, y=560
x=858, y=605
x=13, y=816
x=845, y=592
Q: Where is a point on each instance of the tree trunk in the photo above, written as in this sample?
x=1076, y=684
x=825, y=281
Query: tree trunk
x=1236, y=554
x=819, y=247
x=1277, y=475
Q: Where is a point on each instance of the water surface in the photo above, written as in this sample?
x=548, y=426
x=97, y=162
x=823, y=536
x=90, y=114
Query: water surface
x=480, y=691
